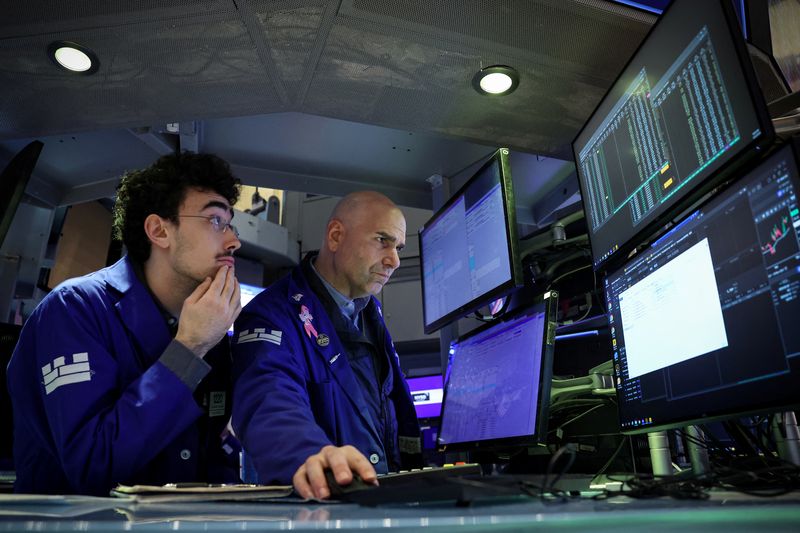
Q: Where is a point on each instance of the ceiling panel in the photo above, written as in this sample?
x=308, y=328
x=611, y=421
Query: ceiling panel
x=404, y=67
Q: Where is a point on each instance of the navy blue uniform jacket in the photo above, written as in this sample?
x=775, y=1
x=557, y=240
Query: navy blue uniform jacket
x=294, y=390
x=93, y=402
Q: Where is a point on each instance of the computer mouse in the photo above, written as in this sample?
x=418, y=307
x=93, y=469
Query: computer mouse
x=340, y=492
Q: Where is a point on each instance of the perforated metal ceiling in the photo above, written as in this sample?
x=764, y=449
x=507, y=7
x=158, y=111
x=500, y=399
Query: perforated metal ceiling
x=404, y=64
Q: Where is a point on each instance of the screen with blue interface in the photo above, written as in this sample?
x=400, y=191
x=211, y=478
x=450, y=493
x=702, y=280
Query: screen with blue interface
x=247, y=293
x=704, y=322
x=467, y=247
x=494, y=386
x=684, y=106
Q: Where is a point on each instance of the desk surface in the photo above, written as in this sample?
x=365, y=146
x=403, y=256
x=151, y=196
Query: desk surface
x=722, y=512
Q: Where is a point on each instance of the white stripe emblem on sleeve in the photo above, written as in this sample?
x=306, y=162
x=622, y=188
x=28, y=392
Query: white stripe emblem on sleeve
x=59, y=373
x=260, y=335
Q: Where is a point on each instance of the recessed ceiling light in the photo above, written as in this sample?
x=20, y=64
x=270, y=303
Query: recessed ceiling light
x=73, y=57
x=497, y=80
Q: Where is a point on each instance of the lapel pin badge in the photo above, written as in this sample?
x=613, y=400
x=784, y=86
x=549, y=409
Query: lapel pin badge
x=306, y=318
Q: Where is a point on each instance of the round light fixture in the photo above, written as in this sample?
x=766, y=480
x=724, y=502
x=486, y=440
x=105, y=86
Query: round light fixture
x=73, y=57
x=497, y=80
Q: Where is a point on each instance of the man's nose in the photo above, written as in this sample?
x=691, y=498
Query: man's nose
x=392, y=259
x=232, y=243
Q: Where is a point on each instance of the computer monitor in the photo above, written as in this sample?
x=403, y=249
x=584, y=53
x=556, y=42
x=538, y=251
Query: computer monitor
x=247, y=292
x=683, y=112
x=426, y=393
x=497, y=388
x=13, y=181
x=468, y=249
x=704, y=322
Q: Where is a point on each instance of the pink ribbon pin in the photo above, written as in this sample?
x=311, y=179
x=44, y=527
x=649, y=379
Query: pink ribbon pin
x=306, y=318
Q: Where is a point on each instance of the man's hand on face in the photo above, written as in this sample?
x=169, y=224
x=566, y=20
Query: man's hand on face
x=209, y=311
x=309, y=480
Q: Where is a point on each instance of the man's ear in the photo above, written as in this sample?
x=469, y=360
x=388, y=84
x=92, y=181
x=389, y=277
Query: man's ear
x=334, y=235
x=156, y=230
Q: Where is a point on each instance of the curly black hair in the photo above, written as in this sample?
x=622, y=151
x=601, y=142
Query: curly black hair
x=161, y=189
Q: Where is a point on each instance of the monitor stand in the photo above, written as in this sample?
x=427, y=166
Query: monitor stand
x=659, y=453
x=787, y=436
x=698, y=454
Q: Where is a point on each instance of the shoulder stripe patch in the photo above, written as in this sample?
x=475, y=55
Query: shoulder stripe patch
x=60, y=373
x=260, y=335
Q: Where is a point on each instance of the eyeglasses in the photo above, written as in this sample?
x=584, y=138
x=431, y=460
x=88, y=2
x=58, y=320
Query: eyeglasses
x=219, y=225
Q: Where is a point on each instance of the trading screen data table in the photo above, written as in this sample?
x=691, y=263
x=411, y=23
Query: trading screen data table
x=674, y=129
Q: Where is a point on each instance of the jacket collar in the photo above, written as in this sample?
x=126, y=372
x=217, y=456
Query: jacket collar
x=137, y=309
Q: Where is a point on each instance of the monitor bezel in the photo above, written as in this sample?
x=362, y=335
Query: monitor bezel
x=698, y=190
x=549, y=304
x=792, y=147
x=14, y=180
x=501, y=156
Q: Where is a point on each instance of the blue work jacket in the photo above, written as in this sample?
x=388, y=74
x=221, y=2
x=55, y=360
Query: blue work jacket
x=294, y=388
x=93, y=402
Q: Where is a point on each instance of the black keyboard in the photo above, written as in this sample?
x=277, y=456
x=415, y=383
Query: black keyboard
x=428, y=473
x=460, y=484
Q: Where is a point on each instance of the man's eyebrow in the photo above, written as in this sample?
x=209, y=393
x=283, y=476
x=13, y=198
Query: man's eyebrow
x=390, y=238
x=221, y=205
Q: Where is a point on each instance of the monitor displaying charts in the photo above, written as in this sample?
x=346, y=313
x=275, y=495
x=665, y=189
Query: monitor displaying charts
x=704, y=323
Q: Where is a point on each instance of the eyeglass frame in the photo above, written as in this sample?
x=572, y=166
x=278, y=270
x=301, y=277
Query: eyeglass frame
x=217, y=223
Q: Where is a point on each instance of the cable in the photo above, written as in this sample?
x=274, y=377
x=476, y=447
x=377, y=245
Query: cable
x=570, y=421
x=613, y=456
x=583, y=317
x=550, y=487
x=575, y=402
x=584, y=267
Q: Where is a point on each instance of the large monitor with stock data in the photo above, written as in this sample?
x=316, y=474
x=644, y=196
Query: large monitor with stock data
x=686, y=109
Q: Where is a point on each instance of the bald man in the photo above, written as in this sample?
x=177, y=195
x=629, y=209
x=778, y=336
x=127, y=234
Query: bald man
x=317, y=380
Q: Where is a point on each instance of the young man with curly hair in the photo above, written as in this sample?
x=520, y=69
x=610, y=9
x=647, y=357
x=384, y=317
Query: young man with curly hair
x=123, y=375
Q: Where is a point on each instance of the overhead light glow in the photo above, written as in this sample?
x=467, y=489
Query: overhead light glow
x=497, y=80
x=73, y=57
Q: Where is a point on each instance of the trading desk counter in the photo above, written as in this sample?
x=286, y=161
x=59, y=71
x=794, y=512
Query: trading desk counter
x=722, y=512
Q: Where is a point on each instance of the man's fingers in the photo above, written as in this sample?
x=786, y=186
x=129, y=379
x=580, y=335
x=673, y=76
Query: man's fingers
x=218, y=285
x=301, y=484
x=236, y=301
x=231, y=291
x=338, y=460
x=315, y=474
x=199, y=291
x=229, y=285
x=359, y=464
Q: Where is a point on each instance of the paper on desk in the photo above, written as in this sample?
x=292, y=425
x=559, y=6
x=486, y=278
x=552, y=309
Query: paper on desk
x=199, y=493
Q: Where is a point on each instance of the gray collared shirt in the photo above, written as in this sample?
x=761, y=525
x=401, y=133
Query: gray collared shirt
x=349, y=308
